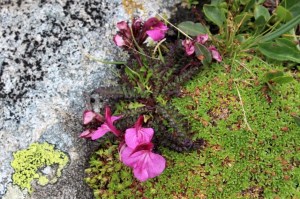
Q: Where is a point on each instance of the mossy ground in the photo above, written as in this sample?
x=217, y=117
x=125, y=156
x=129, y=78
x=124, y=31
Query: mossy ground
x=237, y=162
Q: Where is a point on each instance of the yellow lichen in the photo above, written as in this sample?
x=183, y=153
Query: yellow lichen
x=131, y=6
x=28, y=162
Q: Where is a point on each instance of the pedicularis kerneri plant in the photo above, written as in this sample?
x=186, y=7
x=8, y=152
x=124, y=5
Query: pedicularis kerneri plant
x=148, y=81
x=135, y=145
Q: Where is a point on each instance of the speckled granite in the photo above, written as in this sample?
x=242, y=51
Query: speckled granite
x=43, y=73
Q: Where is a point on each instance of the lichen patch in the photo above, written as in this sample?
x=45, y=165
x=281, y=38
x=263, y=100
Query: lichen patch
x=130, y=6
x=29, y=165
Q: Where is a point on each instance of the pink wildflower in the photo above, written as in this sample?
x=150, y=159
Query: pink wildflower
x=202, y=38
x=124, y=28
x=89, y=116
x=138, y=134
x=136, y=26
x=189, y=46
x=123, y=37
x=215, y=54
x=119, y=41
x=87, y=133
x=92, y=119
x=155, y=29
x=144, y=163
x=107, y=126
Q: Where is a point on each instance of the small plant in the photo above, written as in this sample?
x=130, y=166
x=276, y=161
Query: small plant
x=276, y=77
x=244, y=25
x=148, y=81
x=107, y=176
x=135, y=144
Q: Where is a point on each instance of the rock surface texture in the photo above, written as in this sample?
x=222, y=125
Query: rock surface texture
x=44, y=72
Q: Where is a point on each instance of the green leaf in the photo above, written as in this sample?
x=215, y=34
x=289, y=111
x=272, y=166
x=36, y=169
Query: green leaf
x=283, y=29
x=215, y=14
x=273, y=74
x=261, y=11
x=283, y=79
x=297, y=120
x=250, y=5
x=216, y=2
x=286, y=42
x=242, y=18
x=203, y=54
x=279, y=51
x=293, y=6
x=131, y=73
x=260, y=22
x=192, y=29
x=244, y=2
x=283, y=14
x=135, y=105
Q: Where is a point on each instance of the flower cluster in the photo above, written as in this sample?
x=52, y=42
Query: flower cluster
x=189, y=46
x=135, y=146
x=139, y=31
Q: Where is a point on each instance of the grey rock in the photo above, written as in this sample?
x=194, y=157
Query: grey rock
x=44, y=72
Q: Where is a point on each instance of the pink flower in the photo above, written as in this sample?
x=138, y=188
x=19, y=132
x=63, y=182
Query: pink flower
x=123, y=37
x=89, y=116
x=145, y=164
x=87, y=133
x=202, y=38
x=92, y=119
x=155, y=29
x=138, y=134
x=124, y=28
x=119, y=41
x=107, y=126
x=136, y=26
x=215, y=54
x=189, y=46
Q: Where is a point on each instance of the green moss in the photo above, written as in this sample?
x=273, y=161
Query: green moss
x=107, y=176
x=27, y=164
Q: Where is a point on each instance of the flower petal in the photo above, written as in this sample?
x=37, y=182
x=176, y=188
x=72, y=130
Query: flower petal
x=141, y=174
x=119, y=41
x=109, y=121
x=138, y=135
x=86, y=134
x=202, y=38
x=131, y=137
x=146, y=135
x=215, y=54
x=124, y=29
x=156, y=165
x=145, y=164
x=101, y=131
x=149, y=165
x=122, y=25
x=155, y=28
x=125, y=157
x=114, y=118
x=157, y=33
x=88, y=116
x=189, y=46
